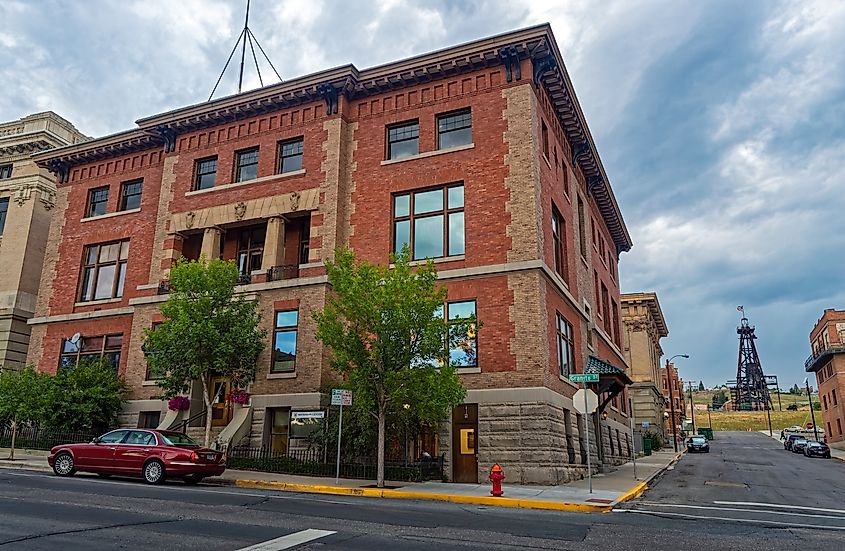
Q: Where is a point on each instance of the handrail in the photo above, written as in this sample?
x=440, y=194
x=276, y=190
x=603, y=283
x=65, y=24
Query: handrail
x=182, y=426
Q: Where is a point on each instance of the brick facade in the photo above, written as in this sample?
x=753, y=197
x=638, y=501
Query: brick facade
x=827, y=341
x=343, y=196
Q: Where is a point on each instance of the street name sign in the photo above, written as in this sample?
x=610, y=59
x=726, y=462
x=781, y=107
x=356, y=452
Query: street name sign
x=585, y=401
x=307, y=414
x=341, y=397
x=584, y=377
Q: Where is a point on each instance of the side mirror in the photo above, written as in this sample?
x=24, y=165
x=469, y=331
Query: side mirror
x=95, y=440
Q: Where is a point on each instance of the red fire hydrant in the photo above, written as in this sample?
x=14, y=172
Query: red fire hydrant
x=496, y=477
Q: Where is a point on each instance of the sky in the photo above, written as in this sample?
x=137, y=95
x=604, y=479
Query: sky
x=721, y=124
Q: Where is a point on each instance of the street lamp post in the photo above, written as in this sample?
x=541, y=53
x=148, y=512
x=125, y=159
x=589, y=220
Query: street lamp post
x=672, y=400
x=691, y=407
x=812, y=413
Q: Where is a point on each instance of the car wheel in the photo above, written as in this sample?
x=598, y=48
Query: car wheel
x=193, y=479
x=154, y=472
x=63, y=465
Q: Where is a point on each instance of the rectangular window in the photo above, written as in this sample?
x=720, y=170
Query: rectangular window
x=4, y=209
x=5, y=172
x=130, y=194
x=251, y=249
x=565, y=177
x=149, y=419
x=565, y=347
x=403, y=140
x=582, y=228
x=91, y=349
x=454, y=129
x=616, y=324
x=98, y=199
x=431, y=222
x=151, y=374
x=605, y=308
x=559, y=242
x=290, y=156
x=246, y=165
x=463, y=346
x=205, y=173
x=284, y=341
x=834, y=398
x=103, y=271
x=839, y=425
x=545, y=132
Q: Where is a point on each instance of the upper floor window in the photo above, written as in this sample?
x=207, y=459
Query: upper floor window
x=431, y=222
x=559, y=242
x=246, y=165
x=130, y=194
x=582, y=228
x=403, y=140
x=463, y=345
x=91, y=349
x=98, y=200
x=565, y=346
x=251, y=249
x=284, y=341
x=104, y=271
x=5, y=171
x=454, y=129
x=205, y=173
x=544, y=130
x=4, y=209
x=290, y=156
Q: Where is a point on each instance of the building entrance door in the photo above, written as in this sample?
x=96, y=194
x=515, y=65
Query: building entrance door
x=464, y=437
x=221, y=409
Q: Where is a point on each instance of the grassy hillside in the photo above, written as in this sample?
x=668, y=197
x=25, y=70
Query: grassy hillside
x=706, y=397
x=755, y=420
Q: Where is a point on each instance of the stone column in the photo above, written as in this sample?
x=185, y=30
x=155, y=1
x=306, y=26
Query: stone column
x=211, y=238
x=274, y=243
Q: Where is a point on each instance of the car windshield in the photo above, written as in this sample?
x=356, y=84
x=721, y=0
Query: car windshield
x=698, y=440
x=178, y=439
x=800, y=441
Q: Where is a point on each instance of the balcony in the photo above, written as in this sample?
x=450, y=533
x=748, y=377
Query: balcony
x=285, y=271
x=820, y=356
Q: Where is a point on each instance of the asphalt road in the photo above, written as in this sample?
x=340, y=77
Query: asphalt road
x=748, y=478
x=41, y=511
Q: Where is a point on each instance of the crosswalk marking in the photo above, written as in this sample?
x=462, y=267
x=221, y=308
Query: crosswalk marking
x=291, y=540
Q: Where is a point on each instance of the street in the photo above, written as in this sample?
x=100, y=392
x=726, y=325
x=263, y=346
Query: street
x=739, y=480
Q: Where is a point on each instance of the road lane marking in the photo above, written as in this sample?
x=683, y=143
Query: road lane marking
x=727, y=519
x=291, y=540
x=758, y=511
x=779, y=506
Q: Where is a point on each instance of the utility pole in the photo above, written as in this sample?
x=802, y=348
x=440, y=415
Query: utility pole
x=691, y=408
x=672, y=408
x=709, y=419
x=812, y=413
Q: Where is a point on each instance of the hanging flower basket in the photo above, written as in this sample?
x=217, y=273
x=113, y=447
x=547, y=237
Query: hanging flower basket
x=238, y=396
x=179, y=403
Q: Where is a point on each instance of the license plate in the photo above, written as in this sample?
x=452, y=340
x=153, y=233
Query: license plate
x=209, y=457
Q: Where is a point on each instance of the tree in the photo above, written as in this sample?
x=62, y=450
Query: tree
x=701, y=386
x=388, y=336
x=207, y=330
x=87, y=397
x=21, y=398
x=792, y=407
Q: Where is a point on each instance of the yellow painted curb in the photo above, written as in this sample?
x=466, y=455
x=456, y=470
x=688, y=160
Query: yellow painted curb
x=405, y=494
x=634, y=493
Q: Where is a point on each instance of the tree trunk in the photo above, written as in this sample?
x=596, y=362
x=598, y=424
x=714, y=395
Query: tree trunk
x=208, y=412
x=380, y=454
x=14, y=436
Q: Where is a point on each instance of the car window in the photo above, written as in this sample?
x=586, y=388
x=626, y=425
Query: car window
x=177, y=439
x=140, y=438
x=113, y=437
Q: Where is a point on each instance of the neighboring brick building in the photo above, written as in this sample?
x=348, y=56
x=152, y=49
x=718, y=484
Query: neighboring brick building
x=478, y=156
x=669, y=377
x=643, y=327
x=827, y=341
x=27, y=197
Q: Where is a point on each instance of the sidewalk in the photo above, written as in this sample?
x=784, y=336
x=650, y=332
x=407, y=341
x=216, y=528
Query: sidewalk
x=834, y=453
x=609, y=489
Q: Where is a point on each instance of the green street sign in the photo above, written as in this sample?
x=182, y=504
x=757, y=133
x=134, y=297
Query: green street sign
x=584, y=378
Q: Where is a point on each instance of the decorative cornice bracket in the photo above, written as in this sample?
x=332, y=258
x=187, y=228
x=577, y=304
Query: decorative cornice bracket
x=510, y=57
x=168, y=135
x=60, y=168
x=329, y=94
x=542, y=64
x=579, y=150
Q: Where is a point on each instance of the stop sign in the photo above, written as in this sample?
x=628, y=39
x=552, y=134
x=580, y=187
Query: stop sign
x=585, y=401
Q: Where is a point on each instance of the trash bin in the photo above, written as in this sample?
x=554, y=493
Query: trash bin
x=706, y=433
x=646, y=446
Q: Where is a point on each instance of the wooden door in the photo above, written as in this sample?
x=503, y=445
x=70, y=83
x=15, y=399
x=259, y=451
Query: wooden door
x=464, y=438
x=221, y=409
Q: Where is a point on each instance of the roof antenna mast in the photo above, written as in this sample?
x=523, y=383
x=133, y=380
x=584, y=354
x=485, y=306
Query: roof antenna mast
x=245, y=36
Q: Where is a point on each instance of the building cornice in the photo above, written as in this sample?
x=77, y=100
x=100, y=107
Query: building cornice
x=653, y=305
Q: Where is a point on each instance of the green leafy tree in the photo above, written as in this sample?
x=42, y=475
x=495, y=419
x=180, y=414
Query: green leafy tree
x=87, y=397
x=701, y=386
x=208, y=330
x=21, y=398
x=388, y=337
x=792, y=407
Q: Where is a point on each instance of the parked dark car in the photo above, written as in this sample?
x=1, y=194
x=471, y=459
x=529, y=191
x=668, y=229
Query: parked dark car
x=787, y=444
x=817, y=449
x=698, y=444
x=151, y=454
x=798, y=445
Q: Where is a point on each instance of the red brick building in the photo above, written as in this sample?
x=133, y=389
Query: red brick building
x=669, y=378
x=827, y=340
x=478, y=156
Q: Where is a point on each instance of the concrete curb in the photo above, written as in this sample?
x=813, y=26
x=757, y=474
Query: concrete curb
x=25, y=466
x=640, y=488
x=406, y=494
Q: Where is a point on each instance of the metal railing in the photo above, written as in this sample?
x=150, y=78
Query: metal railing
x=36, y=438
x=286, y=271
x=244, y=279
x=819, y=354
x=182, y=426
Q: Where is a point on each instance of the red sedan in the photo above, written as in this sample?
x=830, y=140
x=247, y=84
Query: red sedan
x=152, y=454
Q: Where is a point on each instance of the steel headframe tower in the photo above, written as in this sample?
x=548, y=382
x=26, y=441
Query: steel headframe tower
x=751, y=392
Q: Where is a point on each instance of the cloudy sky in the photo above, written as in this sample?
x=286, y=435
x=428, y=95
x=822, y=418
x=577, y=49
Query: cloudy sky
x=721, y=124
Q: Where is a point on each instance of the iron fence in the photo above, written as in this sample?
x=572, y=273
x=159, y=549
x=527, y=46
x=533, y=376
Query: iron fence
x=314, y=462
x=36, y=438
